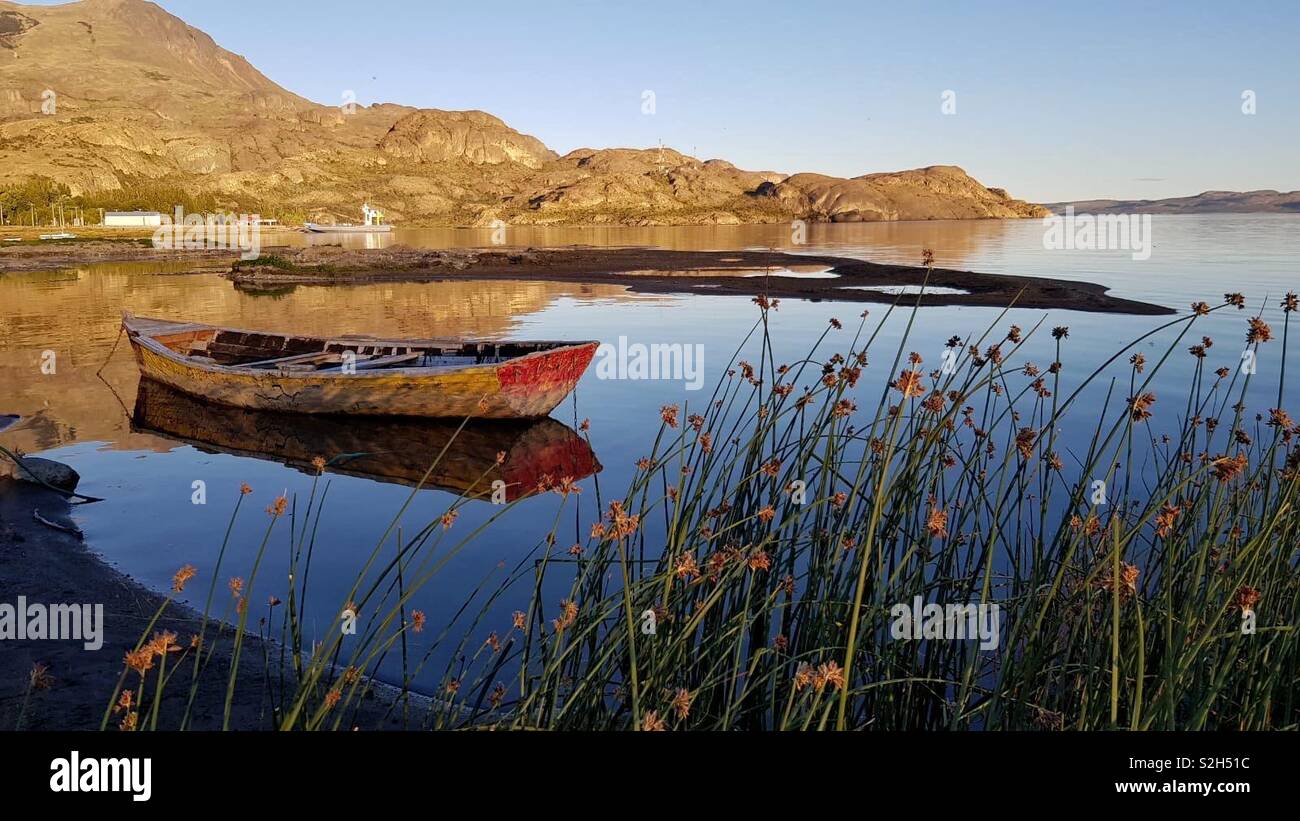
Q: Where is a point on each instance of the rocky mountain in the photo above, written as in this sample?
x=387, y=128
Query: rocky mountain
x=1208, y=202
x=105, y=96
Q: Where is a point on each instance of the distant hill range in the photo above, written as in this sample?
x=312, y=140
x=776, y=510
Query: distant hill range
x=1210, y=202
x=106, y=96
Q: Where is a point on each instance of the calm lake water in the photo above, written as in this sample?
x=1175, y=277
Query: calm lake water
x=148, y=526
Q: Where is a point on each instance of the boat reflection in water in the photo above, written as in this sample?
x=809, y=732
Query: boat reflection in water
x=386, y=449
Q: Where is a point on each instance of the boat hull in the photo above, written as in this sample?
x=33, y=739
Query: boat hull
x=347, y=229
x=523, y=387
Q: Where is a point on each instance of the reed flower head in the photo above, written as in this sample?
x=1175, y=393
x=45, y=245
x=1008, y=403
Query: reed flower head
x=652, y=723
x=39, y=678
x=1025, y=440
x=448, y=519
x=318, y=462
x=182, y=576
x=1258, y=331
x=278, y=507
x=621, y=523
x=1246, y=598
x=909, y=384
x=1140, y=406
x=568, y=615
x=567, y=486
x=162, y=643
x=417, y=620
x=828, y=674
x=1227, y=468
x=244, y=489
x=668, y=413
x=1128, y=576
x=686, y=568
x=937, y=523
x=1279, y=418
x=519, y=619
x=140, y=660
x=1290, y=302
x=236, y=585
x=682, y=703
x=1165, y=520
x=803, y=676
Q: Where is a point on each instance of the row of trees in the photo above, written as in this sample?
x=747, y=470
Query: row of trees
x=40, y=200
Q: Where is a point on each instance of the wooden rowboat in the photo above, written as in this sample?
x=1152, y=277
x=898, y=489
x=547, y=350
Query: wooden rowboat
x=526, y=455
x=358, y=374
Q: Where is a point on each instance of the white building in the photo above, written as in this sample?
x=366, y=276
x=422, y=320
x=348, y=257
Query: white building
x=132, y=219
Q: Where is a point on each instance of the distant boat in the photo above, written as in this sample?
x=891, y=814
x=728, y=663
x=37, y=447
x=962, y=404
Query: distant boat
x=393, y=450
x=346, y=228
x=373, y=224
x=358, y=375
x=60, y=235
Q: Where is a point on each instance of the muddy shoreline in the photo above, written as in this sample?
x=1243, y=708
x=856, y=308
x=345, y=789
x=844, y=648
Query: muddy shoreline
x=641, y=270
x=652, y=270
x=56, y=254
x=48, y=566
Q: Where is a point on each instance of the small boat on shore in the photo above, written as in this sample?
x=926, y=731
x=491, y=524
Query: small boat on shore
x=527, y=455
x=346, y=228
x=374, y=224
x=358, y=375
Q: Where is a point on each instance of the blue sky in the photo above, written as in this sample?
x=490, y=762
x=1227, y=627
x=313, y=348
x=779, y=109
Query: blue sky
x=1053, y=100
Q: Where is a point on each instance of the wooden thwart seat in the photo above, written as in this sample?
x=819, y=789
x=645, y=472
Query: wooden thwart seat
x=366, y=364
x=297, y=359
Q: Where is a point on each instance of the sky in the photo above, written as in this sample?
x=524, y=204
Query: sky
x=1050, y=100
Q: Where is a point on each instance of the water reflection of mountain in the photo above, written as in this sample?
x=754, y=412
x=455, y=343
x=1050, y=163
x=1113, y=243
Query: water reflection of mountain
x=955, y=242
x=384, y=449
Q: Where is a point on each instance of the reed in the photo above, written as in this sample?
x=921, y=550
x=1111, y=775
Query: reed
x=747, y=576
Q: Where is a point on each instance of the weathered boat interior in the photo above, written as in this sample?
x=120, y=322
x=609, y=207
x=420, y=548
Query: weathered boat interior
x=219, y=346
